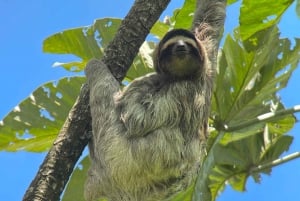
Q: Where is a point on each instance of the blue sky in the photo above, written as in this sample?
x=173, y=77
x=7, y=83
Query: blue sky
x=24, y=67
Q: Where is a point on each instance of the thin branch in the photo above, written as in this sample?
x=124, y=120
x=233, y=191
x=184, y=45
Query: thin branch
x=276, y=162
x=58, y=165
x=263, y=118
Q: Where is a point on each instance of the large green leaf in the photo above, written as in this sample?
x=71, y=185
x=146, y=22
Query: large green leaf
x=250, y=79
x=249, y=76
x=36, y=121
x=235, y=162
x=90, y=41
x=253, y=66
x=142, y=63
x=259, y=15
x=159, y=29
x=84, y=42
x=33, y=125
x=280, y=123
x=226, y=173
x=184, y=17
x=238, y=160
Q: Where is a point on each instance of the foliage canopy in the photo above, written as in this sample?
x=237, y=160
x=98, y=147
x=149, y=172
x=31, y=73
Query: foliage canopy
x=249, y=123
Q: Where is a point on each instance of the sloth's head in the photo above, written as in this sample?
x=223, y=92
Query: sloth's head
x=179, y=54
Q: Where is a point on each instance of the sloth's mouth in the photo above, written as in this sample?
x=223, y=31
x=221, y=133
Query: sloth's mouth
x=181, y=49
x=181, y=54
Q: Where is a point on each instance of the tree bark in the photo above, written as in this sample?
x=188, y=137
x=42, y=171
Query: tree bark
x=58, y=165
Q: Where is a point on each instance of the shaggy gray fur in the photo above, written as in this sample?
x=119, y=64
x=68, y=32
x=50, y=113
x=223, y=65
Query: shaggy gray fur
x=147, y=138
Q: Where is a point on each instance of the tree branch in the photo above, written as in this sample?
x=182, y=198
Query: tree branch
x=58, y=165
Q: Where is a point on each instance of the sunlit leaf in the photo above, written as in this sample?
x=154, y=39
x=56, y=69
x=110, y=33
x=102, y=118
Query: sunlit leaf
x=276, y=147
x=184, y=17
x=36, y=121
x=222, y=174
x=84, y=42
x=259, y=15
x=250, y=79
x=253, y=66
x=142, y=63
x=250, y=74
x=230, y=137
x=90, y=41
x=237, y=160
x=159, y=29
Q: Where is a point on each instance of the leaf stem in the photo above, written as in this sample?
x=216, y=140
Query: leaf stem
x=276, y=162
x=263, y=118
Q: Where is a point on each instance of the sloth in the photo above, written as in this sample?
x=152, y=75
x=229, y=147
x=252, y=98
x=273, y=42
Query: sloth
x=148, y=137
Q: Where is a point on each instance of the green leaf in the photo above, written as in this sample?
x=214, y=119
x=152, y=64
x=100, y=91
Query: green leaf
x=184, y=17
x=89, y=42
x=159, y=29
x=236, y=160
x=222, y=174
x=250, y=73
x=229, y=2
x=142, y=63
x=36, y=121
x=259, y=15
x=34, y=124
x=84, y=42
x=276, y=147
x=75, y=187
x=279, y=122
x=298, y=8
x=251, y=79
x=230, y=137
x=234, y=156
x=184, y=195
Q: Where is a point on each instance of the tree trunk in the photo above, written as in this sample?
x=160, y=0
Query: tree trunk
x=58, y=165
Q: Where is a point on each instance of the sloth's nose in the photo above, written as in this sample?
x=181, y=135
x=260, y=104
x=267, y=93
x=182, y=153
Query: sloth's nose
x=180, y=46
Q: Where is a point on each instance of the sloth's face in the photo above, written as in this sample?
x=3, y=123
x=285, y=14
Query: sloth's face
x=181, y=57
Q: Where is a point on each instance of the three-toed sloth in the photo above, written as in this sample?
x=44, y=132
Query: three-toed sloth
x=147, y=138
